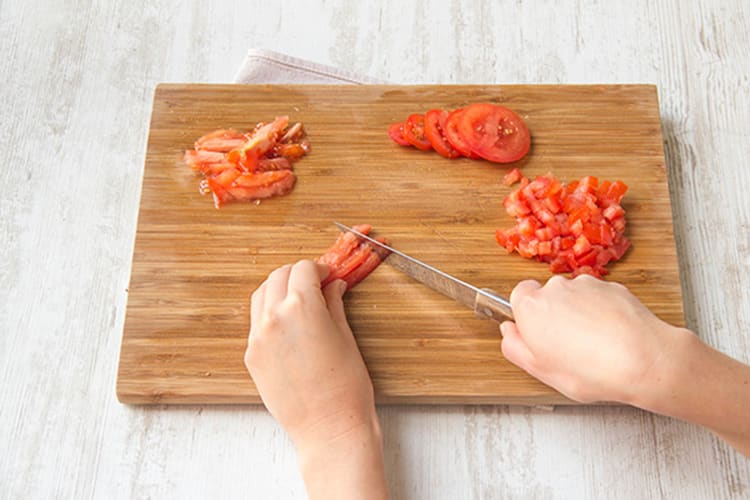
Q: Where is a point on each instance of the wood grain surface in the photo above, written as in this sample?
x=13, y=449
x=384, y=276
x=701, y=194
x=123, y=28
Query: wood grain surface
x=78, y=85
x=194, y=266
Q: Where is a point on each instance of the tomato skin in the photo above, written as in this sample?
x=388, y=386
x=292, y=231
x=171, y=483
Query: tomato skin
x=434, y=128
x=495, y=133
x=414, y=132
x=396, y=132
x=453, y=135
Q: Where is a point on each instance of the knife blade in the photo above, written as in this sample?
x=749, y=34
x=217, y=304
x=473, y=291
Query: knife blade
x=485, y=302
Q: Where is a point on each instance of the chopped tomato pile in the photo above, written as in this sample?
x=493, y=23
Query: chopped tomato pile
x=577, y=227
x=487, y=131
x=239, y=166
x=351, y=258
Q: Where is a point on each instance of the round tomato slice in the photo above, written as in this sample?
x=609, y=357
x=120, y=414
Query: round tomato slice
x=396, y=132
x=414, y=132
x=434, y=125
x=453, y=136
x=494, y=132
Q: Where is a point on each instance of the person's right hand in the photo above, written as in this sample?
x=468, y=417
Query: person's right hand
x=591, y=340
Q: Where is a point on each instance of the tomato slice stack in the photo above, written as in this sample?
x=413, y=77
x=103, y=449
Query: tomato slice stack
x=488, y=131
x=249, y=166
x=578, y=227
x=351, y=258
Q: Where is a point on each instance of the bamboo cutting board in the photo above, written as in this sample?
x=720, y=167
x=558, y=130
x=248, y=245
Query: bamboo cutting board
x=194, y=267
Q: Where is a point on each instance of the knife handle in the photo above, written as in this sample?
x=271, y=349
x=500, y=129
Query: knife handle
x=490, y=305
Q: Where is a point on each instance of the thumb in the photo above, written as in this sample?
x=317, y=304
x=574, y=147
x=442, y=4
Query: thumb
x=334, y=294
x=514, y=347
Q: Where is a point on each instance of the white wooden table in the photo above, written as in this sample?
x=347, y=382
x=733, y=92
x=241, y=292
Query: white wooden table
x=77, y=82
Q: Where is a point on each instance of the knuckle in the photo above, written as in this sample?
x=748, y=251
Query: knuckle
x=557, y=281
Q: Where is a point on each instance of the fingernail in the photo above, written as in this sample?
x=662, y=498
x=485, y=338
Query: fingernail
x=343, y=286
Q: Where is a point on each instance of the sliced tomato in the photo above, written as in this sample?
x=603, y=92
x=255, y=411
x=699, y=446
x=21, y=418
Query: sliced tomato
x=434, y=126
x=396, y=132
x=221, y=141
x=351, y=259
x=454, y=137
x=414, y=132
x=238, y=166
x=494, y=132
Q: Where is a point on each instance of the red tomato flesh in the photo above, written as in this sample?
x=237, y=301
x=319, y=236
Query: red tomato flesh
x=396, y=132
x=578, y=227
x=248, y=166
x=494, y=132
x=351, y=259
x=454, y=137
x=414, y=132
x=434, y=127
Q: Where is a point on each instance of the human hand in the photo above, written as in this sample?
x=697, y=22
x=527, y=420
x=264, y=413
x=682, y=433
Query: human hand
x=591, y=340
x=303, y=358
x=308, y=370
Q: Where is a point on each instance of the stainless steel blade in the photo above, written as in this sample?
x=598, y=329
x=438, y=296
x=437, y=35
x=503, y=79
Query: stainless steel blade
x=460, y=291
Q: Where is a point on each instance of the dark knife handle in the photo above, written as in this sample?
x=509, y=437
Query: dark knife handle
x=490, y=305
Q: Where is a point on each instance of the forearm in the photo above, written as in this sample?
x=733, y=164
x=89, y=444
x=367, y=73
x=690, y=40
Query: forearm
x=701, y=385
x=350, y=466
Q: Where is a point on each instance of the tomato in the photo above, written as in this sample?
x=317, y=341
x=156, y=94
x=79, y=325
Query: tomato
x=414, y=132
x=434, y=126
x=512, y=177
x=494, y=132
x=352, y=259
x=453, y=136
x=396, y=132
x=252, y=166
x=576, y=228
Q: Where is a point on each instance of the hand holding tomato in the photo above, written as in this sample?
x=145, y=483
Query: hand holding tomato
x=592, y=340
x=305, y=363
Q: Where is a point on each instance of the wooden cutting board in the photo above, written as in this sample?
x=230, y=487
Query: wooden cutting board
x=194, y=267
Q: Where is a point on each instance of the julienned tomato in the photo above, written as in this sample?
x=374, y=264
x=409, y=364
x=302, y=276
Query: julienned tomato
x=494, y=132
x=453, y=135
x=414, y=132
x=578, y=227
x=434, y=127
x=396, y=132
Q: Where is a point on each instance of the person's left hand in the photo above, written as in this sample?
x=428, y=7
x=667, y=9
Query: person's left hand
x=304, y=360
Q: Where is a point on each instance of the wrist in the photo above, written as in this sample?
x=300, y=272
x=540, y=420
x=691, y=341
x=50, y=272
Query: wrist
x=347, y=464
x=660, y=390
x=339, y=434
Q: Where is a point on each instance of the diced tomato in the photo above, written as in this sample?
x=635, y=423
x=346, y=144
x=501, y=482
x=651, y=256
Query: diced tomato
x=512, y=177
x=578, y=227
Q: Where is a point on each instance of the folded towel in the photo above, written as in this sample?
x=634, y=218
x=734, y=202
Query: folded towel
x=264, y=66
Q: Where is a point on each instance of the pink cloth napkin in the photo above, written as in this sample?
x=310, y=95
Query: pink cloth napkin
x=265, y=66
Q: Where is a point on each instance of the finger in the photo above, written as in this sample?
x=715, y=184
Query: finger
x=276, y=287
x=521, y=290
x=514, y=348
x=256, y=305
x=306, y=276
x=334, y=294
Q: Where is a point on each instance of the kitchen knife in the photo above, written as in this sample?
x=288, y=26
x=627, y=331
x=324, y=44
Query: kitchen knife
x=486, y=303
